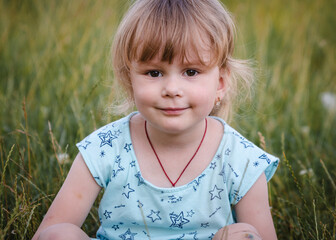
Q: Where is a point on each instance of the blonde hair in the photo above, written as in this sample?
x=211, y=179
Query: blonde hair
x=167, y=28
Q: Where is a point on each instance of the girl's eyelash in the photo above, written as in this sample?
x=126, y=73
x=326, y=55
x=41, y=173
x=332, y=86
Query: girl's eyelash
x=191, y=72
x=154, y=73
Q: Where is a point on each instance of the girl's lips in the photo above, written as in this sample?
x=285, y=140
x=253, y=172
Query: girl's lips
x=173, y=111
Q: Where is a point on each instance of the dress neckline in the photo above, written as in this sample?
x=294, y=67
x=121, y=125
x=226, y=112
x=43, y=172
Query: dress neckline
x=187, y=185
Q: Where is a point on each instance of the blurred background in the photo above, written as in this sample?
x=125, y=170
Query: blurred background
x=56, y=88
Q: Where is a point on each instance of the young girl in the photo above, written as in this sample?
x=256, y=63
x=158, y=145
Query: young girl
x=171, y=170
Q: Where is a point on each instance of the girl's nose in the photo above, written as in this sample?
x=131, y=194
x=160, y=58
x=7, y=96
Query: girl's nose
x=172, y=87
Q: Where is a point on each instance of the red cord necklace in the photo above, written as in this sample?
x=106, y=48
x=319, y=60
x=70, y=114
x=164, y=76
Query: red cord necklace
x=157, y=157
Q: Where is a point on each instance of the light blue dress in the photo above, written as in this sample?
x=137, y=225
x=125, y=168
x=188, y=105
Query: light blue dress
x=132, y=208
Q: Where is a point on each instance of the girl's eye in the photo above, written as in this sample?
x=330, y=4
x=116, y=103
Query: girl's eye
x=154, y=73
x=191, y=73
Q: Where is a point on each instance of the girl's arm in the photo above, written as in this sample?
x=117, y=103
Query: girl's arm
x=74, y=200
x=254, y=209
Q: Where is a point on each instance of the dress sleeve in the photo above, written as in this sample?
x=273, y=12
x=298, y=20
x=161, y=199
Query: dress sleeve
x=245, y=163
x=99, y=153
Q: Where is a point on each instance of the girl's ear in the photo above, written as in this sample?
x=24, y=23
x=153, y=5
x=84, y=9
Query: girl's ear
x=224, y=75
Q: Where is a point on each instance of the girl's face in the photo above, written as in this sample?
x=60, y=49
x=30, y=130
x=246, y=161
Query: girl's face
x=176, y=97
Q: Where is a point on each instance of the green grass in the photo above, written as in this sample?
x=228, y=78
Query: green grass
x=56, y=86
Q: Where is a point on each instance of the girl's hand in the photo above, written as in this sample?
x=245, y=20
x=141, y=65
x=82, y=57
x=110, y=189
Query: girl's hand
x=237, y=231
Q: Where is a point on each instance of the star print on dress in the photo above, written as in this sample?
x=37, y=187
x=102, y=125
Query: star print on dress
x=115, y=227
x=222, y=173
x=128, y=235
x=215, y=193
x=132, y=164
x=265, y=157
x=154, y=215
x=227, y=151
x=102, y=153
x=85, y=144
x=205, y=225
x=119, y=167
x=128, y=146
x=140, y=179
x=213, y=165
x=106, y=138
x=256, y=164
x=178, y=220
x=127, y=190
x=107, y=214
x=196, y=182
x=190, y=213
x=247, y=144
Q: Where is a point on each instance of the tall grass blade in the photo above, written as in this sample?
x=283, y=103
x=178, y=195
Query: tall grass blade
x=328, y=174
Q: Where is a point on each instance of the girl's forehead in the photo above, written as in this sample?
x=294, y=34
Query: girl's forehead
x=198, y=52
x=194, y=53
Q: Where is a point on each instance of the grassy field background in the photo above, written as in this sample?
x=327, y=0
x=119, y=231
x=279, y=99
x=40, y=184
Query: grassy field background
x=56, y=86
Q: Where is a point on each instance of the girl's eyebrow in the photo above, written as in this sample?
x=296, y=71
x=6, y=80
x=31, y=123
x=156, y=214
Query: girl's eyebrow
x=193, y=63
x=149, y=64
x=197, y=64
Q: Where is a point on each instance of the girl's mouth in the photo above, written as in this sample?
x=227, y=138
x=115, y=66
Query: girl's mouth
x=174, y=110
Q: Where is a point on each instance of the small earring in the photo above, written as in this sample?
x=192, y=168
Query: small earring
x=218, y=102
